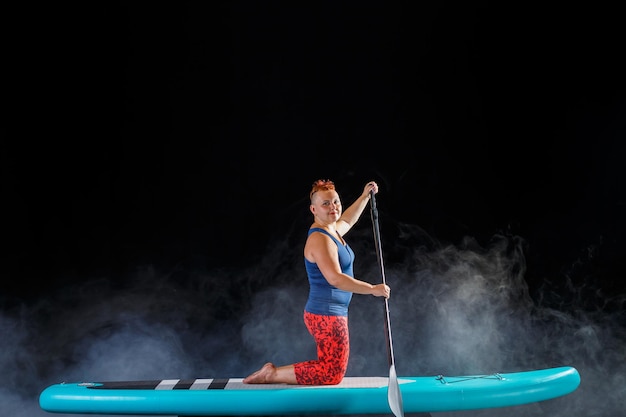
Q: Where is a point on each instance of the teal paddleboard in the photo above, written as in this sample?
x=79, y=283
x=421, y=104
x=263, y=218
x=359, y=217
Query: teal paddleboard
x=354, y=395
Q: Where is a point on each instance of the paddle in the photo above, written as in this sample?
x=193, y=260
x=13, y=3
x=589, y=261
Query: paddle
x=394, y=396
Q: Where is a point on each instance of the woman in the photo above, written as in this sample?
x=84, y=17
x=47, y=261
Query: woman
x=329, y=264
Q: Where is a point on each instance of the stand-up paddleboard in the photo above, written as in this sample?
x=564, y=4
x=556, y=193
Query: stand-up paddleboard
x=354, y=395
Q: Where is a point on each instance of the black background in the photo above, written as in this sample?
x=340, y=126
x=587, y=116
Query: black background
x=185, y=137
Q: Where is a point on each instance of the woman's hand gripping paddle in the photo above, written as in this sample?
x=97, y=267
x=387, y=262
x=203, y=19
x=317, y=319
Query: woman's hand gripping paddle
x=394, y=396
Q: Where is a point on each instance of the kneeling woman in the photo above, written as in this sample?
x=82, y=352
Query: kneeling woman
x=329, y=264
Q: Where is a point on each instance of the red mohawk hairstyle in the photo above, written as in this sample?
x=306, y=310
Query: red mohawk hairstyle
x=321, y=185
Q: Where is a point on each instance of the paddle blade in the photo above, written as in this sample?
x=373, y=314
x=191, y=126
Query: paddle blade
x=394, y=396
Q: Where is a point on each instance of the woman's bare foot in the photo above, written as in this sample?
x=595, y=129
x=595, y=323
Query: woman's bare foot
x=262, y=376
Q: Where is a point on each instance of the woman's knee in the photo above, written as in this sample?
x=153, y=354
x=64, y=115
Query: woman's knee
x=333, y=377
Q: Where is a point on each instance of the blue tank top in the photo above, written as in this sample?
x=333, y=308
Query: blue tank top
x=325, y=299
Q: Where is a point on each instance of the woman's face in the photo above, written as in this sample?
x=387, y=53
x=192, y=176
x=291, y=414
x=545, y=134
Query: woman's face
x=326, y=205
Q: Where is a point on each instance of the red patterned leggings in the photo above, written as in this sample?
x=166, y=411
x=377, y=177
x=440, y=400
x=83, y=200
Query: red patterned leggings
x=333, y=348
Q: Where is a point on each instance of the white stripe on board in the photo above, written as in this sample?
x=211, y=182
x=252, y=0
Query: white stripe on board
x=201, y=384
x=167, y=384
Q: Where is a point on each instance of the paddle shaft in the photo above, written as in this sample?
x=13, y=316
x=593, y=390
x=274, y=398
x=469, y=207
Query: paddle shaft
x=394, y=395
x=379, y=254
